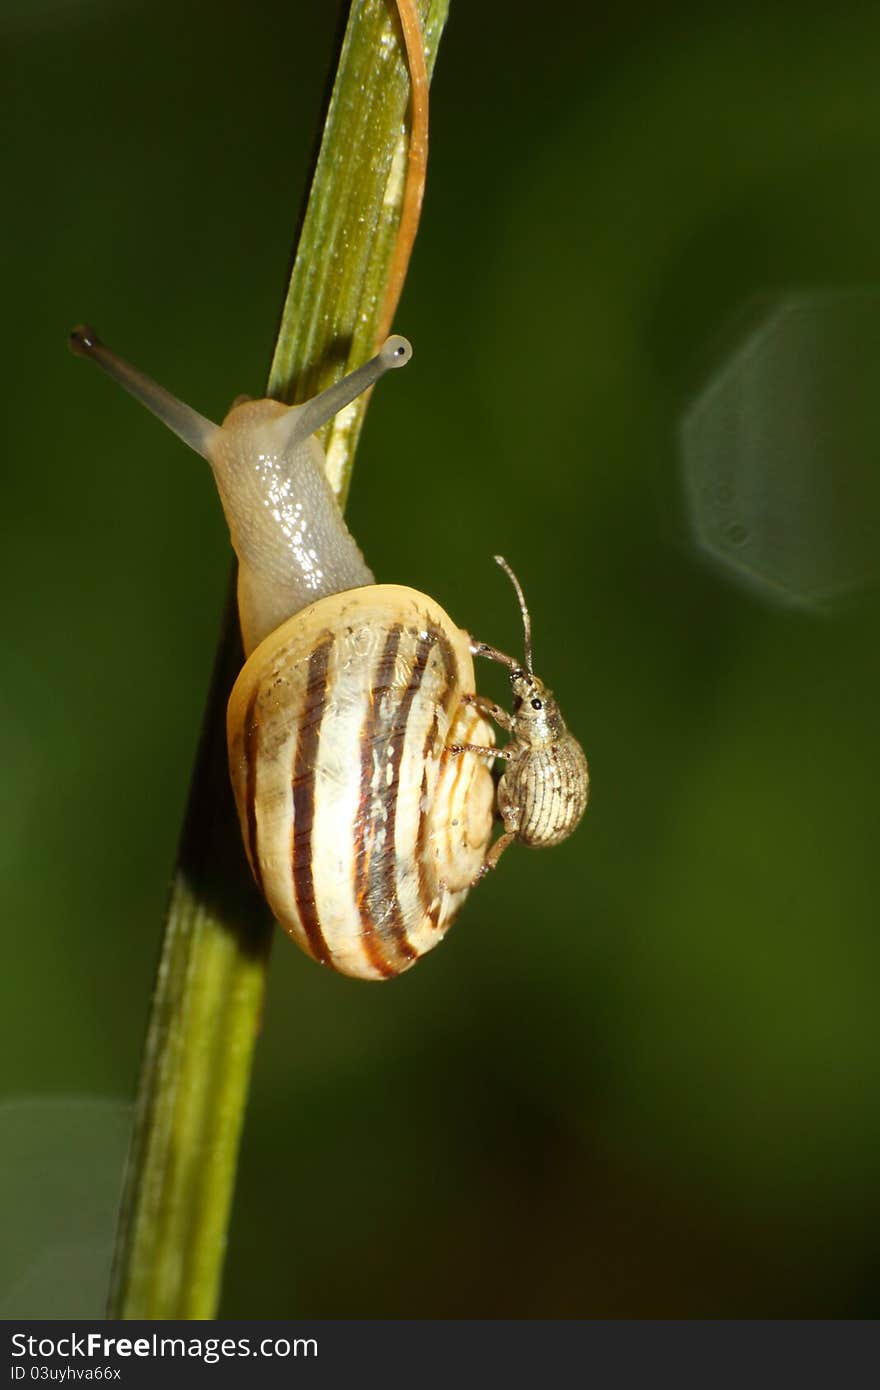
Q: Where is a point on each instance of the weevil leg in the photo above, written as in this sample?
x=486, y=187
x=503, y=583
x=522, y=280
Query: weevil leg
x=488, y=707
x=456, y=748
x=492, y=654
x=495, y=853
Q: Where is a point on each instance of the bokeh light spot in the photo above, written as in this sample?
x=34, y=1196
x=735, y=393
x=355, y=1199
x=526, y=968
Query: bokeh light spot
x=780, y=451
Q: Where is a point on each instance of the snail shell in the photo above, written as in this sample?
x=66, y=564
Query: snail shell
x=363, y=832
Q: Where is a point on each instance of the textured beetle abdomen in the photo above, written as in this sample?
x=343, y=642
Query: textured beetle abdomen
x=363, y=834
x=545, y=793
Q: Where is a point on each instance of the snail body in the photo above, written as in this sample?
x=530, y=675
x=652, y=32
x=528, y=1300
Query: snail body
x=363, y=829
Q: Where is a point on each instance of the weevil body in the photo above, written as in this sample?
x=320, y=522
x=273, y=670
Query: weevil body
x=544, y=789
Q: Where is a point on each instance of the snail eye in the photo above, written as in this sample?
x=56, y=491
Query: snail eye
x=536, y=704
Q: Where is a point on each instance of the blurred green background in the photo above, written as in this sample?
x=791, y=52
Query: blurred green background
x=641, y=1076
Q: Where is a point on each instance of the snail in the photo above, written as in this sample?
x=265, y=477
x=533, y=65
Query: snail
x=360, y=755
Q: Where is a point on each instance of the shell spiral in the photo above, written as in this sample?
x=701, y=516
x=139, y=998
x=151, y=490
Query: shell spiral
x=362, y=832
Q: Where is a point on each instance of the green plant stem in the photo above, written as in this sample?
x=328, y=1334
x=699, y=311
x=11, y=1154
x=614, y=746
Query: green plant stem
x=210, y=984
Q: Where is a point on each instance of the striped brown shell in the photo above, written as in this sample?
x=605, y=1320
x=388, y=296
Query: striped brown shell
x=362, y=832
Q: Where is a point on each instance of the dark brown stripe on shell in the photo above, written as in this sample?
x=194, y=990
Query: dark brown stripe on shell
x=383, y=887
x=430, y=898
x=383, y=928
x=303, y=797
x=428, y=895
x=365, y=827
x=251, y=758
